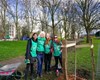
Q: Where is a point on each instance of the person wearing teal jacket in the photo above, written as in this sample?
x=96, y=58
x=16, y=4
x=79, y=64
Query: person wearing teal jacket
x=57, y=52
x=40, y=52
x=31, y=55
x=47, y=53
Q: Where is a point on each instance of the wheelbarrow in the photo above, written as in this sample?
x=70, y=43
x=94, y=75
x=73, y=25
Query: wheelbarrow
x=10, y=72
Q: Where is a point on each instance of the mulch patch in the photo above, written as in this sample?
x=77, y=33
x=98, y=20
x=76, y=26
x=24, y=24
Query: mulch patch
x=70, y=77
x=82, y=74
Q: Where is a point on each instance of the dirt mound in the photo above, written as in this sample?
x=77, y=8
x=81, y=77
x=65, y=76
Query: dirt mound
x=83, y=73
x=72, y=77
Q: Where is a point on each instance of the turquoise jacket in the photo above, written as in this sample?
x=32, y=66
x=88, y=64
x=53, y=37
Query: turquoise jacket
x=33, y=49
x=57, y=48
x=29, y=50
x=48, y=47
x=40, y=44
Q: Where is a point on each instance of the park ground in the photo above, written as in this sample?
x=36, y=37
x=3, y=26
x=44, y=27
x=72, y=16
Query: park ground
x=14, y=51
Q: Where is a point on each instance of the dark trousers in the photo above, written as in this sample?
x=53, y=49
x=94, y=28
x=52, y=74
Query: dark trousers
x=47, y=61
x=56, y=60
x=28, y=66
x=31, y=67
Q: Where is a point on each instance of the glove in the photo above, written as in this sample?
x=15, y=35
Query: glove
x=27, y=61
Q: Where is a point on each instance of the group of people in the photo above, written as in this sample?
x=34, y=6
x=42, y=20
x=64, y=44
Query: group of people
x=41, y=48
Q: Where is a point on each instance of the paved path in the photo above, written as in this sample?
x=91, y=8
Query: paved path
x=13, y=60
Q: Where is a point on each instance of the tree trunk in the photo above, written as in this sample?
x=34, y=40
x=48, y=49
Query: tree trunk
x=60, y=34
x=53, y=30
x=53, y=26
x=42, y=27
x=87, y=36
x=3, y=16
x=73, y=33
x=65, y=35
x=16, y=21
x=65, y=30
x=46, y=28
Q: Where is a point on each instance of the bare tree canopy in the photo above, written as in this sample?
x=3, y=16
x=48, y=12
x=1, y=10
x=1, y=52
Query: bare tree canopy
x=61, y=17
x=89, y=12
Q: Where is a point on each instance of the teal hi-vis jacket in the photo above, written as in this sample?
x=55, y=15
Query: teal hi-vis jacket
x=57, y=48
x=48, y=47
x=40, y=44
x=33, y=49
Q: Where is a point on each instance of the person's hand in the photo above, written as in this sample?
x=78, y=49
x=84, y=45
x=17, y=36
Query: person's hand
x=27, y=61
x=51, y=50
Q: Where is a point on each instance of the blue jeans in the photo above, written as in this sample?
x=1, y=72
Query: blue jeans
x=40, y=57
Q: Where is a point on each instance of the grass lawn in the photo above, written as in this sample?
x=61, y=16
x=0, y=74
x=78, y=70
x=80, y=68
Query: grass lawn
x=83, y=56
x=11, y=49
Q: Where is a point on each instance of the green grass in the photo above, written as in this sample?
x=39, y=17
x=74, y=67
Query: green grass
x=83, y=56
x=11, y=49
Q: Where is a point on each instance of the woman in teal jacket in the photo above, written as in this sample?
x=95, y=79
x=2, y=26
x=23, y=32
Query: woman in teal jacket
x=57, y=52
x=31, y=55
x=47, y=53
x=40, y=52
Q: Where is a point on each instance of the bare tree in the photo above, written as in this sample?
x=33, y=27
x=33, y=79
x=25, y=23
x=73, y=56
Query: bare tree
x=3, y=10
x=15, y=16
x=26, y=5
x=65, y=9
x=73, y=21
x=30, y=14
x=69, y=18
x=44, y=19
x=89, y=13
x=52, y=6
x=16, y=21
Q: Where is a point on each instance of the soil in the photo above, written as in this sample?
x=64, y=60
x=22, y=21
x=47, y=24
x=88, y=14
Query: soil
x=82, y=74
x=70, y=77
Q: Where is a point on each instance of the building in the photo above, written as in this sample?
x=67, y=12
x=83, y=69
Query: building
x=12, y=32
